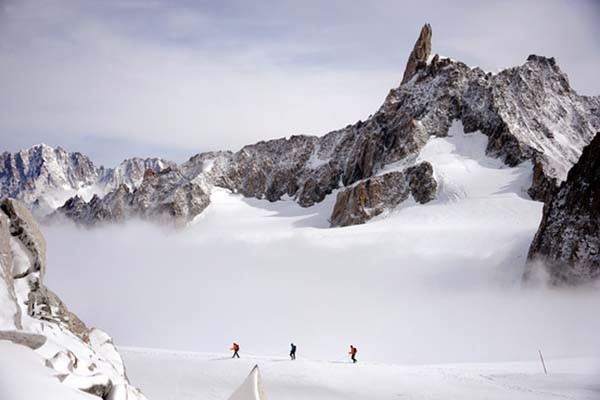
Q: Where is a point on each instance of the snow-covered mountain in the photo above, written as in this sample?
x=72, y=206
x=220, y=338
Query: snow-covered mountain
x=43, y=177
x=529, y=113
x=165, y=196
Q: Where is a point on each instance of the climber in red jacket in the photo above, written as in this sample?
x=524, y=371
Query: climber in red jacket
x=352, y=353
x=235, y=348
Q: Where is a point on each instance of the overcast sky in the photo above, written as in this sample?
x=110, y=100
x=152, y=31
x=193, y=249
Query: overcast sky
x=116, y=79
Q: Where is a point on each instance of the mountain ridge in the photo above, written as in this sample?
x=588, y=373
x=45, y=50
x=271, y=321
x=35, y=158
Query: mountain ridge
x=529, y=113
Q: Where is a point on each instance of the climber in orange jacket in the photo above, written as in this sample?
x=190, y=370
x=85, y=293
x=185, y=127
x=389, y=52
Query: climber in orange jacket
x=235, y=348
x=352, y=353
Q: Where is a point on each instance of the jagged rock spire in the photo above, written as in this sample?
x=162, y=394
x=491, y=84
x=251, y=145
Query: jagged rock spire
x=419, y=54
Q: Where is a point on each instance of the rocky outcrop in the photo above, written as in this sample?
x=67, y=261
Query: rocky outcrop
x=166, y=196
x=567, y=243
x=10, y=313
x=169, y=196
x=419, y=55
x=26, y=230
x=422, y=184
x=371, y=197
x=33, y=316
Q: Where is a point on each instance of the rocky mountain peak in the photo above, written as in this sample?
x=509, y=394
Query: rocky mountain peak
x=529, y=114
x=420, y=53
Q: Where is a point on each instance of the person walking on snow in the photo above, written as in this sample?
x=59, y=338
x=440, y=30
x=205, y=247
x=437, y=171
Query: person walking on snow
x=293, y=351
x=235, y=348
x=352, y=353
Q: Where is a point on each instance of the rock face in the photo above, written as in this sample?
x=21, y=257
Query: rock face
x=567, y=242
x=43, y=177
x=528, y=112
x=371, y=197
x=166, y=196
x=32, y=315
x=131, y=172
x=419, y=55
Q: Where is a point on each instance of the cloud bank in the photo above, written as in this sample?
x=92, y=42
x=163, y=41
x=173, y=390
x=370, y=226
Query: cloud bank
x=401, y=290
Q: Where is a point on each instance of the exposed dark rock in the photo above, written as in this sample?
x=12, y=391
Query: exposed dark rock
x=100, y=389
x=567, y=242
x=25, y=228
x=371, y=197
x=418, y=56
x=422, y=184
x=543, y=186
x=166, y=196
x=44, y=305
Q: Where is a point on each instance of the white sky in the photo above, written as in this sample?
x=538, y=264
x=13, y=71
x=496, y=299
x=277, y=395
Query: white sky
x=129, y=78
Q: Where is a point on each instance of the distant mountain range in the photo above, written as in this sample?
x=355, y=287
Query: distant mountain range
x=529, y=113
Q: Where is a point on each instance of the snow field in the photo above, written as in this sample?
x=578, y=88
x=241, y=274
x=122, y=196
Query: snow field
x=176, y=375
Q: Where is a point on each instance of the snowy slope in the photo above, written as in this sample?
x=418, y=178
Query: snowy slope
x=37, y=329
x=182, y=376
x=442, y=281
x=24, y=376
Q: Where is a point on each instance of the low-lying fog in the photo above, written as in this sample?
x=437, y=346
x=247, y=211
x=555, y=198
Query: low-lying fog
x=419, y=287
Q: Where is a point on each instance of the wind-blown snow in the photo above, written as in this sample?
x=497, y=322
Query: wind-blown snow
x=430, y=283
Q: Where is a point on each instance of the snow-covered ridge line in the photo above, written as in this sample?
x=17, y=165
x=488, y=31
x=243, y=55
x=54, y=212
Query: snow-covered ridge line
x=43, y=177
x=31, y=315
x=528, y=112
